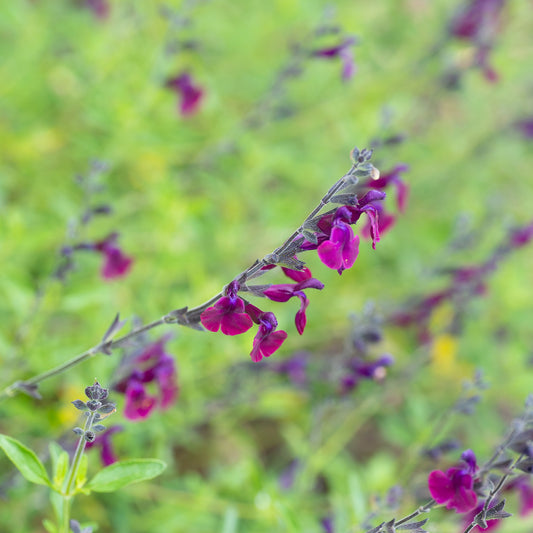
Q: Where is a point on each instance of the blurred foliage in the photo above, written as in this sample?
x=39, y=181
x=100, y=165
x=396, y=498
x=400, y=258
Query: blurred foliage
x=197, y=199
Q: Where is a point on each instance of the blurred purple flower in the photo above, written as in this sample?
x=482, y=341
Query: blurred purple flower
x=455, y=486
x=286, y=479
x=103, y=441
x=478, y=21
x=284, y=292
x=343, y=51
x=116, y=263
x=100, y=8
x=525, y=127
x=227, y=314
x=358, y=369
x=294, y=368
x=190, y=95
x=267, y=340
x=392, y=177
x=153, y=364
x=475, y=18
x=327, y=524
x=521, y=236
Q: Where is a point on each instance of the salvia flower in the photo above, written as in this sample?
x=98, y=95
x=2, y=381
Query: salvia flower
x=116, y=263
x=478, y=22
x=227, y=314
x=103, y=442
x=284, y=292
x=393, y=177
x=340, y=251
x=267, y=339
x=190, y=95
x=151, y=365
x=455, y=486
x=343, y=51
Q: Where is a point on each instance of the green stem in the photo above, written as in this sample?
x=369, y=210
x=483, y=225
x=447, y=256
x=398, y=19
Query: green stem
x=78, y=456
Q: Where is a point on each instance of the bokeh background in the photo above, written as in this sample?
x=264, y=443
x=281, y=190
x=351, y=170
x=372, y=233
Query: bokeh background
x=197, y=196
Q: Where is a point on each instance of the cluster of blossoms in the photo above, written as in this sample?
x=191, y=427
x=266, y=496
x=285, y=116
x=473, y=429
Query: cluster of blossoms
x=460, y=488
x=478, y=22
x=116, y=263
x=154, y=365
x=465, y=283
x=330, y=234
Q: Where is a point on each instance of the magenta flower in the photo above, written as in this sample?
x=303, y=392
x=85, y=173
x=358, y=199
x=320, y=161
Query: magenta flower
x=455, y=486
x=478, y=22
x=521, y=236
x=267, y=339
x=152, y=365
x=116, y=263
x=139, y=404
x=190, y=95
x=227, y=314
x=285, y=291
x=476, y=18
x=393, y=177
x=344, y=52
x=341, y=249
x=103, y=441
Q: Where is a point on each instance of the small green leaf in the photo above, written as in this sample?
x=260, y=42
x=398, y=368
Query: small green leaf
x=123, y=473
x=60, y=464
x=25, y=460
x=81, y=477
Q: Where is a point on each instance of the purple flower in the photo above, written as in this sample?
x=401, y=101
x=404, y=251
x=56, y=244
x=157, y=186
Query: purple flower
x=139, y=404
x=100, y=8
x=152, y=365
x=295, y=368
x=285, y=291
x=523, y=485
x=103, y=441
x=525, y=127
x=227, y=314
x=359, y=369
x=393, y=177
x=478, y=21
x=344, y=52
x=521, y=236
x=327, y=524
x=116, y=263
x=455, y=486
x=267, y=339
x=341, y=249
x=475, y=18
x=190, y=94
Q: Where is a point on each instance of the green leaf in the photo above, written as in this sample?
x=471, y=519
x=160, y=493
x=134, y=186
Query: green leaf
x=123, y=473
x=60, y=464
x=49, y=526
x=25, y=460
x=81, y=477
